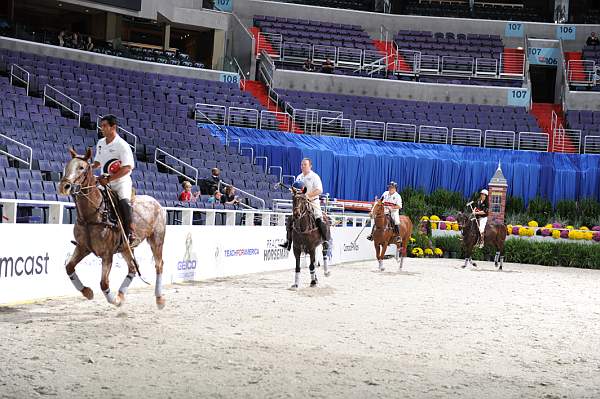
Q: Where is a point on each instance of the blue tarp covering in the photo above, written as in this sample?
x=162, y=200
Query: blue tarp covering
x=360, y=169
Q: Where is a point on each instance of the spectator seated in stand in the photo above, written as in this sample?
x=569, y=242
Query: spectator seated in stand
x=228, y=197
x=89, y=45
x=593, y=40
x=327, y=66
x=209, y=186
x=308, y=66
x=187, y=195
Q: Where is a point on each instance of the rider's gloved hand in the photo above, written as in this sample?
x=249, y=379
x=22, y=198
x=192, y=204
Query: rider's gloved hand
x=103, y=179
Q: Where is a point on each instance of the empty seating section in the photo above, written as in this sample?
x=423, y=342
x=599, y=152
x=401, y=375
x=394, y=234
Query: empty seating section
x=447, y=58
x=361, y=5
x=589, y=124
x=316, y=33
x=408, y=120
x=582, y=68
x=498, y=10
x=155, y=108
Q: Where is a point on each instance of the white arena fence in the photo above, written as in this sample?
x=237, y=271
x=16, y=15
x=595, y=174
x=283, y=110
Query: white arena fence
x=33, y=256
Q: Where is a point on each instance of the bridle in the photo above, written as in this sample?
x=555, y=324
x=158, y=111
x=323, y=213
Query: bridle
x=77, y=190
x=305, y=212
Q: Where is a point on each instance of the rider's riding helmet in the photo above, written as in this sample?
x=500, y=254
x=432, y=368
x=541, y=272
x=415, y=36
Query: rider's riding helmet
x=484, y=191
x=393, y=184
x=299, y=186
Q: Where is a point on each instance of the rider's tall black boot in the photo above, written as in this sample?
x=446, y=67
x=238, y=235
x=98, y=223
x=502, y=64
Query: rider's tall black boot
x=323, y=230
x=288, y=241
x=127, y=217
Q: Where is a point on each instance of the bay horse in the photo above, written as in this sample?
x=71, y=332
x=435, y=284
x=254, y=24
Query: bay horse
x=306, y=236
x=95, y=234
x=384, y=234
x=494, y=235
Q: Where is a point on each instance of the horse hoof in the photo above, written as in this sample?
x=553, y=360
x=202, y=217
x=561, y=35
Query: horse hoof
x=294, y=287
x=327, y=274
x=474, y=264
x=463, y=266
x=314, y=283
x=88, y=293
x=119, y=299
x=161, y=301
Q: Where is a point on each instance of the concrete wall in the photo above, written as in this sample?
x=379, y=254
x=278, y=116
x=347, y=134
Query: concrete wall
x=107, y=60
x=582, y=100
x=372, y=22
x=393, y=89
x=240, y=45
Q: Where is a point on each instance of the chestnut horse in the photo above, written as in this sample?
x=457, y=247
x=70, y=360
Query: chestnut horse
x=384, y=235
x=95, y=234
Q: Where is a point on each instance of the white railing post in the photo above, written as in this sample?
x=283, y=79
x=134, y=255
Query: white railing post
x=47, y=95
x=16, y=157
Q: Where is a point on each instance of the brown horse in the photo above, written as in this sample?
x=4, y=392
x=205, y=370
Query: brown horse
x=494, y=234
x=95, y=234
x=384, y=235
x=306, y=237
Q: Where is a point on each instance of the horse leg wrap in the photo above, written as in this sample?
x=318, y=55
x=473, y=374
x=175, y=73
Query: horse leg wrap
x=125, y=284
x=110, y=296
x=297, y=279
x=158, y=286
x=76, y=282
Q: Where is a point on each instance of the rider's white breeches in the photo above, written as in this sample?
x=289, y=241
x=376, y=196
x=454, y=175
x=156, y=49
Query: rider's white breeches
x=317, y=212
x=395, y=213
x=122, y=187
x=482, y=224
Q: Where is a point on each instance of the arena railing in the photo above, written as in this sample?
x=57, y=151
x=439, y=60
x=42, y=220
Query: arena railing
x=349, y=57
x=408, y=62
x=462, y=66
x=533, y=141
x=433, y=134
x=591, y=145
x=322, y=53
x=400, y=132
x=124, y=133
x=487, y=67
x=296, y=52
x=62, y=100
x=241, y=74
x=512, y=65
x=581, y=72
x=272, y=120
x=209, y=113
x=20, y=75
x=465, y=137
x=369, y=130
x=243, y=117
x=499, y=139
x=337, y=126
x=270, y=41
x=184, y=165
x=17, y=157
x=247, y=194
x=566, y=140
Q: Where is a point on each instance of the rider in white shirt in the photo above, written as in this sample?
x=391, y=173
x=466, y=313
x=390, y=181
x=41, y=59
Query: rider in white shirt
x=114, y=156
x=313, y=188
x=393, y=203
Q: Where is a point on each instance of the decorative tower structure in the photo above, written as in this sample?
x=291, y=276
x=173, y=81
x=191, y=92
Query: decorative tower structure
x=498, y=188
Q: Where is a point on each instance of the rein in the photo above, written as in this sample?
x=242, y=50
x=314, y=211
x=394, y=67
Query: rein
x=306, y=213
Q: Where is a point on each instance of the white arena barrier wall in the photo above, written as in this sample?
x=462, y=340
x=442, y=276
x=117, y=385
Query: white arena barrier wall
x=33, y=257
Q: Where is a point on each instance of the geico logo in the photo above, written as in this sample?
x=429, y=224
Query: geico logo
x=186, y=265
x=241, y=252
x=23, y=266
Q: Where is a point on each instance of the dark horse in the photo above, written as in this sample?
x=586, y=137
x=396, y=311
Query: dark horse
x=306, y=236
x=494, y=234
x=94, y=233
x=384, y=234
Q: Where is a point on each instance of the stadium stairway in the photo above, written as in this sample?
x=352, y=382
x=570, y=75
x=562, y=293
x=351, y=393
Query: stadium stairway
x=543, y=115
x=513, y=60
x=262, y=44
x=576, y=69
x=259, y=91
x=387, y=49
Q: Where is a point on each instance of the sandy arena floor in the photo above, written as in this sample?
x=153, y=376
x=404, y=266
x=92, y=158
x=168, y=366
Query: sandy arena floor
x=433, y=331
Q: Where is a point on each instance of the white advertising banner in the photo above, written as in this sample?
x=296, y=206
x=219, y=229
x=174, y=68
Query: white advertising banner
x=33, y=257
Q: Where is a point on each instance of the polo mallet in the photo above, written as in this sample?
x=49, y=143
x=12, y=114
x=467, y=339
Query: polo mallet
x=126, y=240
x=358, y=236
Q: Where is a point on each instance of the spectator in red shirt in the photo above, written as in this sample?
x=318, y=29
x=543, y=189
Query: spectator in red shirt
x=187, y=195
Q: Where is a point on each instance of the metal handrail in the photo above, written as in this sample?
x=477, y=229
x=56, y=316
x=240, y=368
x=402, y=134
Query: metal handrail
x=46, y=95
x=280, y=172
x=262, y=201
x=266, y=159
x=240, y=72
x=244, y=111
x=533, y=134
x=15, y=76
x=122, y=130
x=251, y=153
x=157, y=161
x=14, y=156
